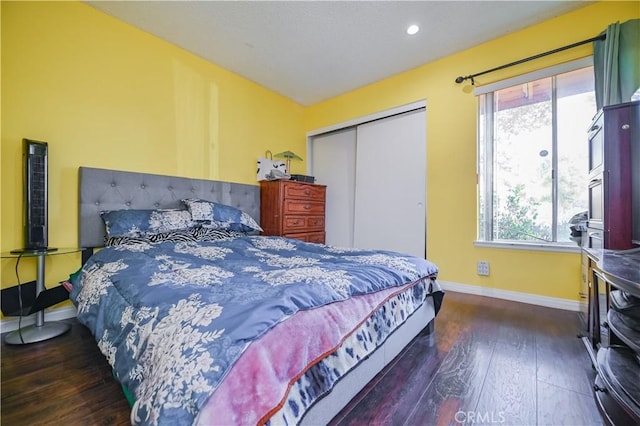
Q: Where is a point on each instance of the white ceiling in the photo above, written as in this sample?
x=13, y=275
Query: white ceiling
x=309, y=51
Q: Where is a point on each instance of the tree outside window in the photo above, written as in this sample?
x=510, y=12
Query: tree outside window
x=533, y=157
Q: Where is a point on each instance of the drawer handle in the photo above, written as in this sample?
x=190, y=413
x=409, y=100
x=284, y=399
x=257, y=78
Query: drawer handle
x=595, y=182
x=594, y=127
x=307, y=192
x=307, y=206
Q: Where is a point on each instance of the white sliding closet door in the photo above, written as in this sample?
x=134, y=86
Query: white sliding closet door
x=390, y=195
x=333, y=164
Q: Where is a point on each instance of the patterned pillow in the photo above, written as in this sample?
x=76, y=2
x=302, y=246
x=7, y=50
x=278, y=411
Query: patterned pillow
x=211, y=234
x=220, y=216
x=137, y=223
x=193, y=234
x=173, y=236
x=123, y=240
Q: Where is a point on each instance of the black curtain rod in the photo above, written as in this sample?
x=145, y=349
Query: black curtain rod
x=460, y=79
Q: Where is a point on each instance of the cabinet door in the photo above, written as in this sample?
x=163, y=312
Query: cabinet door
x=595, y=145
x=596, y=202
x=584, y=291
x=600, y=297
x=618, y=135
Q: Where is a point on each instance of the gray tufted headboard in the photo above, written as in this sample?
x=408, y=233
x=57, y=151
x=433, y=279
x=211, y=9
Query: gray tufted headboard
x=101, y=189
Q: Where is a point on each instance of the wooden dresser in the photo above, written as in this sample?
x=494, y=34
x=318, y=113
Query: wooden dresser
x=293, y=210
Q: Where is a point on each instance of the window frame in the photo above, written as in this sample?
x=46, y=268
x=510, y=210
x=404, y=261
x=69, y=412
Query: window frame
x=485, y=229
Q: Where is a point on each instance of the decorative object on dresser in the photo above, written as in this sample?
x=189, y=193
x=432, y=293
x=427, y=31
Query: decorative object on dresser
x=293, y=210
x=613, y=340
x=288, y=156
x=266, y=165
x=303, y=178
x=614, y=178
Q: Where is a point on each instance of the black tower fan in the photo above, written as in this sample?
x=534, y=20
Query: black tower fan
x=35, y=189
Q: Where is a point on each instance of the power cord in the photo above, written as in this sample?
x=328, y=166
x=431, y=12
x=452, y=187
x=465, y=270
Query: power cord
x=19, y=298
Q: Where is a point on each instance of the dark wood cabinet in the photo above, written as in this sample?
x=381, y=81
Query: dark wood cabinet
x=614, y=332
x=611, y=261
x=613, y=155
x=293, y=209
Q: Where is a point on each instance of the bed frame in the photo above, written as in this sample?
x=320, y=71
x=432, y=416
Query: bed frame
x=101, y=189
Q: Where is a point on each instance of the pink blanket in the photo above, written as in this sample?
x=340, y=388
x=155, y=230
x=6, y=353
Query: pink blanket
x=257, y=385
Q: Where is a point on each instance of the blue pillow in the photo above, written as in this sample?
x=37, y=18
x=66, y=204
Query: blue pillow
x=137, y=223
x=220, y=216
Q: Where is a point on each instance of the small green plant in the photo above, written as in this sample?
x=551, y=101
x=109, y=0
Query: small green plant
x=516, y=220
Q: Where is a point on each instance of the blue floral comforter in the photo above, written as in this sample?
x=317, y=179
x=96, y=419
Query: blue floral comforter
x=172, y=318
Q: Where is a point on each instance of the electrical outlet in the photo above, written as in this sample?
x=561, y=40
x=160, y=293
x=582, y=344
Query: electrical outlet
x=483, y=267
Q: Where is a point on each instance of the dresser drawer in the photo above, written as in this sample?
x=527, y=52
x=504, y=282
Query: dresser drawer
x=302, y=223
x=303, y=207
x=310, y=237
x=315, y=237
x=306, y=192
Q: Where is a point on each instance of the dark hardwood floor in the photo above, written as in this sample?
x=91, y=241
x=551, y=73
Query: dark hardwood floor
x=491, y=362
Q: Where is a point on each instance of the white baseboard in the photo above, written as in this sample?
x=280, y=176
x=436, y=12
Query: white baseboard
x=533, y=299
x=12, y=323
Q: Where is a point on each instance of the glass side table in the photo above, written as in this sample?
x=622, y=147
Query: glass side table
x=40, y=330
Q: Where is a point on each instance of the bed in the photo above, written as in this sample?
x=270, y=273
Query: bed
x=204, y=321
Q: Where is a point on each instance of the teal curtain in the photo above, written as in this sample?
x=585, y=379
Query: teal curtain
x=616, y=63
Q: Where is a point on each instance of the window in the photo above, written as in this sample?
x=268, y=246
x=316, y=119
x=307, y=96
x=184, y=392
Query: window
x=532, y=162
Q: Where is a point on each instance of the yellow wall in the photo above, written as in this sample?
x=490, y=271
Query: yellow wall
x=104, y=94
x=451, y=146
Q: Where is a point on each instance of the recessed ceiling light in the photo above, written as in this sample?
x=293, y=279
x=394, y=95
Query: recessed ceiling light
x=413, y=29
